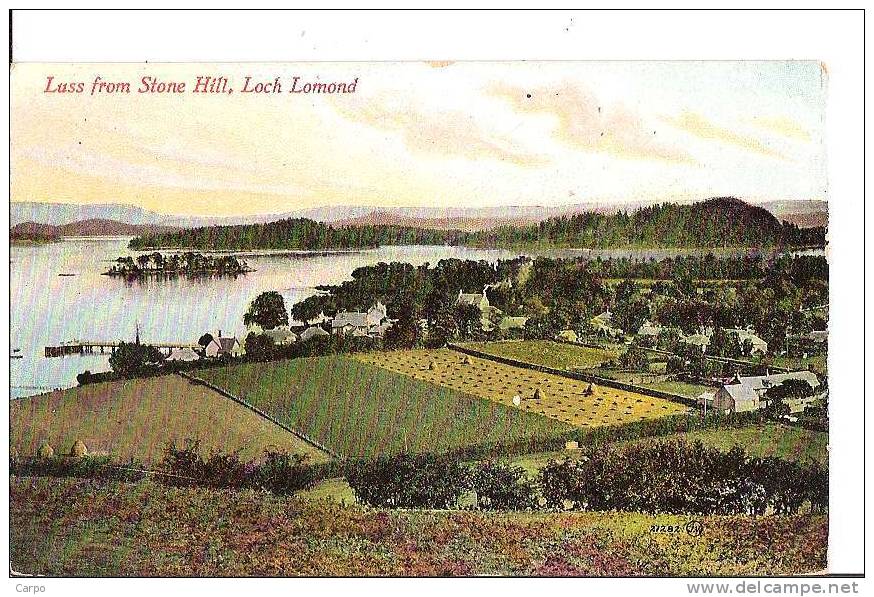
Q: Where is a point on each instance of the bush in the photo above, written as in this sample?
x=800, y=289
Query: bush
x=187, y=468
x=89, y=467
x=682, y=478
x=502, y=487
x=404, y=481
x=285, y=473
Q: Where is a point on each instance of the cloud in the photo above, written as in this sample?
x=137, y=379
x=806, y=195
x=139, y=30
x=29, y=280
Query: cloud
x=699, y=126
x=586, y=123
x=448, y=133
x=781, y=125
x=101, y=165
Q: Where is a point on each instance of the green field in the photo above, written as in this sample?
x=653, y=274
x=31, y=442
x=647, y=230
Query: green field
x=358, y=409
x=77, y=527
x=770, y=439
x=655, y=382
x=139, y=418
x=819, y=363
x=557, y=355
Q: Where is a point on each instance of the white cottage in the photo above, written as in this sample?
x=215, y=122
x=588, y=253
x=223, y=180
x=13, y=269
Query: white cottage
x=748, y=393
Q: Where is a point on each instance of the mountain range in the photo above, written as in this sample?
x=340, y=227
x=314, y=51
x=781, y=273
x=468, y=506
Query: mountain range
x=102, y=219
x=89, y=227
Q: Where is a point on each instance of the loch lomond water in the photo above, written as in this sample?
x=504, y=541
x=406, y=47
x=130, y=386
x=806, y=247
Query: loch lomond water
x=47, y=308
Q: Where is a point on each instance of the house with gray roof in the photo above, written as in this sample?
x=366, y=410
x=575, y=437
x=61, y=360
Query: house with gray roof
x=346, y=322
x=745, y=394
x=312, y=332
x=281, y=336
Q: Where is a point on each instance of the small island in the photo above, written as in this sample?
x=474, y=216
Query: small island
x=177, y=264
x=30, y=233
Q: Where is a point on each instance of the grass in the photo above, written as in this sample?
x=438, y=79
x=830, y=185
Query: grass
x=561, y=398
x=819, y=363
x=360, y=410
x=769, y=439
x=557, y=355
x=139, y=418
x=655, y=381
x=78, y=527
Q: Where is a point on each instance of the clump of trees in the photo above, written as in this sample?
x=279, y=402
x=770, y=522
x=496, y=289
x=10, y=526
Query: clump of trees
x=132, y=359
x=790, y=389
x=188, y=264
x=664, y=477
x=679, y=477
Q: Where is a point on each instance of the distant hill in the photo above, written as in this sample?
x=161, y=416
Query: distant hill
x=807, y=219
x=468, y=224
x=807, y=214
x=91, y=227
x=717, y=222
x=34, y=233
x=101, y=227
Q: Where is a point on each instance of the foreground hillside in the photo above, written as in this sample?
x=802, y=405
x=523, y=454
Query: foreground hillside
x=139, y=418
x=81, y=528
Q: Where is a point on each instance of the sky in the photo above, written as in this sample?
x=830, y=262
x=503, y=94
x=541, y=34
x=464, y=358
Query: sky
x=475, y=134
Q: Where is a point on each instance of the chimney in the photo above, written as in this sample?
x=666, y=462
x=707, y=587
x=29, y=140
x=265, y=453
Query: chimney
x=220, y=334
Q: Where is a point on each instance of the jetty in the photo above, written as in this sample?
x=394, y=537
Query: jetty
x=89, y=347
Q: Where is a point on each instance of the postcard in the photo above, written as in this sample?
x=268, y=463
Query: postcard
x=419, y=318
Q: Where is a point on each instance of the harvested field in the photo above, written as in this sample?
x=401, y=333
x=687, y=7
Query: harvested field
x=553, y=396
x=359, y=410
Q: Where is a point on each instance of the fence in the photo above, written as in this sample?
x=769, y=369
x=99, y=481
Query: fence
x=586, y=377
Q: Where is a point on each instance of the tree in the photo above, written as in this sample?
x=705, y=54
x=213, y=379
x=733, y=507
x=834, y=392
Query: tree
x=131, y=359
x=267, y=311
x=405, y=332
x=443, y=328
x=205, y=340
x=634, y=358
x=630, y=314
x=259, y=346
x=469, y=319
x=725, y=344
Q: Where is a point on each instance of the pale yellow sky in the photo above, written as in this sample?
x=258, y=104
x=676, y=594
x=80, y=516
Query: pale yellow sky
x=421, y=134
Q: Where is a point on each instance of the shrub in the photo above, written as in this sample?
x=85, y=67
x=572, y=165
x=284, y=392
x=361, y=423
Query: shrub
x=90, y=467
x=285, y=473
x=186, y=467
x=502, y=487
x=682, y=478
x=404, y=481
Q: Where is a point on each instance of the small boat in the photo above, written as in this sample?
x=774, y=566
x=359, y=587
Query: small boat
x=16, y=356
x=66, y=275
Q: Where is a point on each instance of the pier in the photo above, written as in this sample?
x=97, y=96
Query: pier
x=89, y=347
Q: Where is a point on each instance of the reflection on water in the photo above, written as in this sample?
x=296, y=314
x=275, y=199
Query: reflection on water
x=47, y=308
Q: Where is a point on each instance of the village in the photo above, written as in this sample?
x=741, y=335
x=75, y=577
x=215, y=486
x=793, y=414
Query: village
x=736, y=392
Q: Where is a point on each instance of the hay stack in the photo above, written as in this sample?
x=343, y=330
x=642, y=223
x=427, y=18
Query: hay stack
x=432, y=366
x=79, y=449
x=589, y=391
x=46, y=451
x=466, y=360
x=537, y=394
